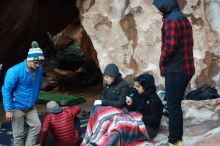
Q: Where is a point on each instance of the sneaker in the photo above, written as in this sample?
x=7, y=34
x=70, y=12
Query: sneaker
x=164, y=144
x=179, y=143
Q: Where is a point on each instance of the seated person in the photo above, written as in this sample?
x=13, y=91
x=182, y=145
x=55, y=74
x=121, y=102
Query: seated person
x=115, y=88
x=147, y=103
x=60, y=121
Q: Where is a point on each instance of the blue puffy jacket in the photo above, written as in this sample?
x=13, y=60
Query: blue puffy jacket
x=20, y=91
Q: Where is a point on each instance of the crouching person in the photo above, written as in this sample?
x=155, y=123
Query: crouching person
x=147, y=103
x=20, y=92
x=61, y=122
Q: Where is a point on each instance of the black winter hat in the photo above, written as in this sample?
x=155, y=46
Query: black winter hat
x=112, y=70
x=146, y=80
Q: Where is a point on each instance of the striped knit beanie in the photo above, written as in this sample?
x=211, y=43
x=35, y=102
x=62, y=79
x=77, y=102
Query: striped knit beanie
x=35, y=53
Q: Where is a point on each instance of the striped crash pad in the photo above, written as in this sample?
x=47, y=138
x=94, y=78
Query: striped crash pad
x=45, y=97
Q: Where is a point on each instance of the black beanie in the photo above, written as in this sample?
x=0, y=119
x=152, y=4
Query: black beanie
x=112, y=70
x=146, y=80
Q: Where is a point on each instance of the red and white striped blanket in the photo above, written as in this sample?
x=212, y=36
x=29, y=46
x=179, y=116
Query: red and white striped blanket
x=110, y=126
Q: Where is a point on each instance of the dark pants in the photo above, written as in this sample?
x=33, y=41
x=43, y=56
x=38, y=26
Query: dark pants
x=77, y=125
x=175, y=85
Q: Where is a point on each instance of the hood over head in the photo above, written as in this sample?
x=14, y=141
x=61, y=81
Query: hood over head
x=166, y=6
x=147, y=82
x=112, y=70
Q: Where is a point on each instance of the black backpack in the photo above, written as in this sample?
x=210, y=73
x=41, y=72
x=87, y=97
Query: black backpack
x=203, y=93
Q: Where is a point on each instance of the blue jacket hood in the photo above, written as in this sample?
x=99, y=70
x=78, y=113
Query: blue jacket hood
x=166, y=6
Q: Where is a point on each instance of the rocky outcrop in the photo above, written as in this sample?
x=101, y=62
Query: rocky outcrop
x=201, y=116
x=76, y=58
x=128, y=34
x=201, y=123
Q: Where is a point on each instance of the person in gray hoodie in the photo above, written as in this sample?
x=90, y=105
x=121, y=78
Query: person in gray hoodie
x=115, y=88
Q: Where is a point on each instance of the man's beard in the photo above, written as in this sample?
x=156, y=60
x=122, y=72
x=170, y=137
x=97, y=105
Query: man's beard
x=33, y=69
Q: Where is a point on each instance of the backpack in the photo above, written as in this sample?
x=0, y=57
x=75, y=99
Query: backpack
x=163, y=98
x=203, y=93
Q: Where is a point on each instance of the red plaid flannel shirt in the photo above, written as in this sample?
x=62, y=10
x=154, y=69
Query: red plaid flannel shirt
x=177, y=47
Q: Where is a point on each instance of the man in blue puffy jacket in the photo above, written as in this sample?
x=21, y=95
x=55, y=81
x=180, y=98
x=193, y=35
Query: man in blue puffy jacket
x=20, y=92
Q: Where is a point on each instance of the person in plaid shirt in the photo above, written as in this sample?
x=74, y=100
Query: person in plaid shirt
x=176, y=63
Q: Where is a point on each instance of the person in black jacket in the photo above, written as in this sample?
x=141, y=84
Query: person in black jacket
x=147, y=103
x=115, y=88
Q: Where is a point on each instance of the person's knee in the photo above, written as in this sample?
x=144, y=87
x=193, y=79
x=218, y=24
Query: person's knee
x=37, y=127
x=17, y=132
x=18, y=135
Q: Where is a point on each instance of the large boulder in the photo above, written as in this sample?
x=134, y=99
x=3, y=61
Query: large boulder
x=128, y=34
x=201, y=116
x=201, y=123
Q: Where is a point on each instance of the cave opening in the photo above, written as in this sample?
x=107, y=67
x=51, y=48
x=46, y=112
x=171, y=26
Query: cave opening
x=71, y=61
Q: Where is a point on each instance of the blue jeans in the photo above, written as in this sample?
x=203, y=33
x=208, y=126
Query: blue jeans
x=175, y=85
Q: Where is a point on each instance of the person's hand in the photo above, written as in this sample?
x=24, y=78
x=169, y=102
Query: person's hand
x=38, y=145
x=9, y=115
x=97, y=102
x=128, y=100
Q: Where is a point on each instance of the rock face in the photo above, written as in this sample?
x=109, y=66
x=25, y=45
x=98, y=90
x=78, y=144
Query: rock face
x=200, y=116
x=201, y=123
x=127, y=32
